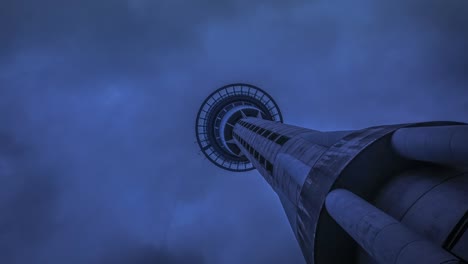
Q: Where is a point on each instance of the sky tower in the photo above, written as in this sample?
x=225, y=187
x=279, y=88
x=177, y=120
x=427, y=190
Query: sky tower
x=384, y=194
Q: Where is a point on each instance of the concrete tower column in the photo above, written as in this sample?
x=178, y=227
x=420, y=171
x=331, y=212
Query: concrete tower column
x=446, y=145
x=384, y=238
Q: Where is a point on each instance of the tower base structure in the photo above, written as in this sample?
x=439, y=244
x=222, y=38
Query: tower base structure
x=370, y=198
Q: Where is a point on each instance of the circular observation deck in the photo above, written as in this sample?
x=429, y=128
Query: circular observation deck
x=218, y=115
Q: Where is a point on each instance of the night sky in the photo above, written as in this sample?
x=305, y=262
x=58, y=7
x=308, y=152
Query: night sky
x=98, y=99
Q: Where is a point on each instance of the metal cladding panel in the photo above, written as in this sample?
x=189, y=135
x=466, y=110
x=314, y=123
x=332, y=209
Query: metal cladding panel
x=290, y=209
x=303, y=152
x=267, y=148
x=326, y=139
x=292, y=173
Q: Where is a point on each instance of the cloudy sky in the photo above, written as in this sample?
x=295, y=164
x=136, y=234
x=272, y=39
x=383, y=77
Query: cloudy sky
x=98, y=100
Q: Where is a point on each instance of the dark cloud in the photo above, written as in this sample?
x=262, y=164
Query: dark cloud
x=129, y=37
x=132, y=252
x=26, y=199
x=98, y=99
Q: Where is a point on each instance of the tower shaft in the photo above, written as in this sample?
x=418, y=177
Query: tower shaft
x=386, y=194
x=302, y=166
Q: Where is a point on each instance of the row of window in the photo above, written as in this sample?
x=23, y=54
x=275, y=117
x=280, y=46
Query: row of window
x=265, y=163
x=270, y=135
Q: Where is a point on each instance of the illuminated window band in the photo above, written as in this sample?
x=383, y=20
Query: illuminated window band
x=270, y=135
x=264, y=162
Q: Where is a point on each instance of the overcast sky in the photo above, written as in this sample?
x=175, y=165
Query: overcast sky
x=98, y=100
